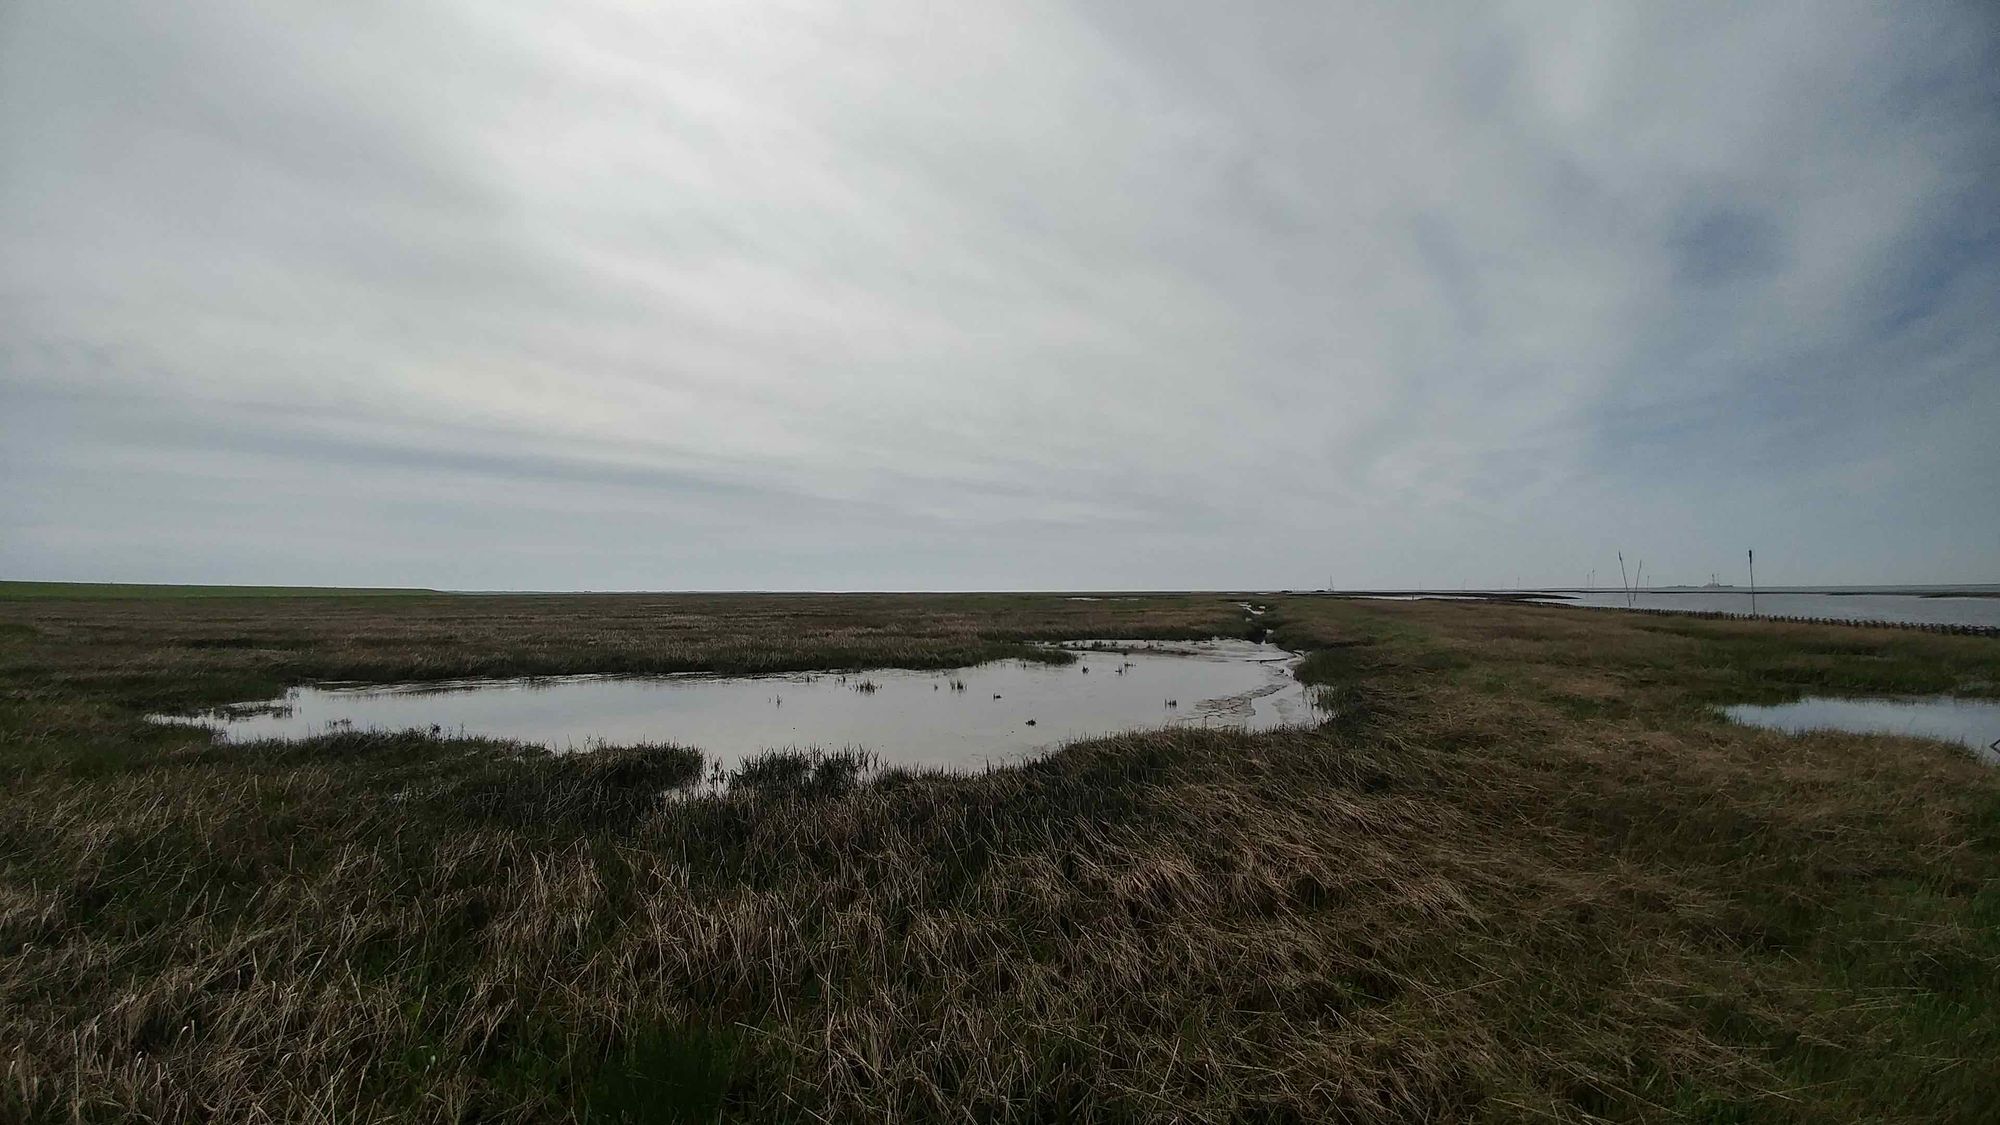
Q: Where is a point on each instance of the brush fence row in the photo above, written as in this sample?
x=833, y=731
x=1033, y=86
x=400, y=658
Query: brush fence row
x=1866, y=623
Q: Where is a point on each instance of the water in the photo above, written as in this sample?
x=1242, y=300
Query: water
x=1909, y=608
x=1937, y=605
x=1004, y=712
x=1417, y=597
x=1972, y=723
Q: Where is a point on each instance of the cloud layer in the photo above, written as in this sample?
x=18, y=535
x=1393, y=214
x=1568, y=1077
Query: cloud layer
x=1117, y=295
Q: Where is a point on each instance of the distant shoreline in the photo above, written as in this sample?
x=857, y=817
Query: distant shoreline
x=1937, y=590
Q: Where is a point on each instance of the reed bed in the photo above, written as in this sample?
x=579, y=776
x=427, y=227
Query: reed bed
x=1525, y=874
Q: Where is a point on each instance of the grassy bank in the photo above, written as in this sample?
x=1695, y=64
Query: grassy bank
x=1525, y=875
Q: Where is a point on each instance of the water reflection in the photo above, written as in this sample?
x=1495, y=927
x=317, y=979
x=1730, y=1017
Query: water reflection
x=1972, y=723
x=963, y=717
x=1911, y=609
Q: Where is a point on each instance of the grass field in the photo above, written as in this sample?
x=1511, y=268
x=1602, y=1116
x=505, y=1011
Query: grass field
x=93, y=591
x=1525, y=875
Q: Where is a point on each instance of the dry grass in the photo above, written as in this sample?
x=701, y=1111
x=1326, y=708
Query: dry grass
x=1527, y=875
x=178, y=651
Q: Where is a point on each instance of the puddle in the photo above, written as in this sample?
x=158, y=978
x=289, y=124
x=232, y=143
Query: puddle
x=1972, y=723
x=968, y=717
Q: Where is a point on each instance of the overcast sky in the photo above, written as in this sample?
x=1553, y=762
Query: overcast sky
x=486, y=294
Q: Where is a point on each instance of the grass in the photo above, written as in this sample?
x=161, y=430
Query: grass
x=1525, y=874
x=99, y=591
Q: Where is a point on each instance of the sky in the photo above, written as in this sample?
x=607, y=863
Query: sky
x=478, y=294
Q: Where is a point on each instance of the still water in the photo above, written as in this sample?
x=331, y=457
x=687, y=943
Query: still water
x=1909, y=608
x=1973, y=723
x=968, y=717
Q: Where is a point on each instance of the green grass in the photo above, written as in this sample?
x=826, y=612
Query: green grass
x=97, y=591
x=1526, y=873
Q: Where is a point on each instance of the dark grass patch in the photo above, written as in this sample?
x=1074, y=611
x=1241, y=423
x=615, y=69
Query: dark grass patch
x=595, y=792
x=801, y=773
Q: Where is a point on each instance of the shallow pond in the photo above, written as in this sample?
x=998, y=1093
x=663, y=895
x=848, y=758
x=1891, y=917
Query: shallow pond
x=1973, y=723
x=967, y=717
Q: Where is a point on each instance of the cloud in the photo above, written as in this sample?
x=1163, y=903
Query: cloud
x=1094, y=295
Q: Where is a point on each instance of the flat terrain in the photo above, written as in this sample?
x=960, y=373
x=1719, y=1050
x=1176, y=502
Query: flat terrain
x=92, y=591
x=1527, y=874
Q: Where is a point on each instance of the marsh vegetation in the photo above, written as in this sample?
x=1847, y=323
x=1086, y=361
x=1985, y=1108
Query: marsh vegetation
x=1527, y=872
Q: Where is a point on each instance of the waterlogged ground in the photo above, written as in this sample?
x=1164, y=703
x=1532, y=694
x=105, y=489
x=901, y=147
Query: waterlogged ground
x=962, y=718
x=1906, y=608
x=1972, y=723
x=1941, y=605
x=1527, y=873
